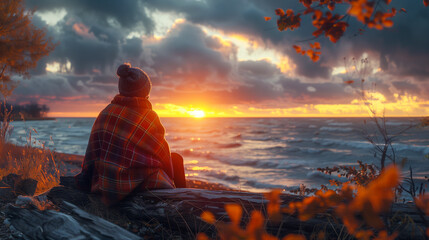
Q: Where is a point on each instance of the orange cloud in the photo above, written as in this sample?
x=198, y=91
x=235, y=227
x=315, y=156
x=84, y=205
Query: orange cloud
x=82, y=30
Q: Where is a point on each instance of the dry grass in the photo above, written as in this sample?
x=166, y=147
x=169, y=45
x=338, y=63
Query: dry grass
x=30, y=162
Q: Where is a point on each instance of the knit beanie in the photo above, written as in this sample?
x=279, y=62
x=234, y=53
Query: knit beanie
x=133, y=82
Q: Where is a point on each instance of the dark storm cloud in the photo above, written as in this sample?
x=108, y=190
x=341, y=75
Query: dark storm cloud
x=258, y=70
x=404, y=46
x=308, y=93
x=403, y=49
x=188, y=63
x=129, y=14
x=247, y=17
x=133, y=48
x=184, y=57
x=61, y=87
x=403, y=87
x=52, y=87
x=262, y=81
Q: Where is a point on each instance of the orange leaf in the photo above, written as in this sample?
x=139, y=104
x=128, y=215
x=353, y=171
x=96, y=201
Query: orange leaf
x=208, y=217
x=234, y=212
x=388, y=23
x=306, y=3
x=403, y=10
x=267, y=236
x=280, y=12
x=426, y=3
x=294, y=237
x=297, y=48
x=317, y=45
x=202, y=236
x=256, y=221
x=349, y=81
x=267, y=18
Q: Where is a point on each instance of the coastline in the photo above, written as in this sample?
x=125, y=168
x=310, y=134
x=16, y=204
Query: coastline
x=34, y=119
x=73, y=162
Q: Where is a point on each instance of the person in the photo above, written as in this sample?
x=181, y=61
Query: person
x=127, y=151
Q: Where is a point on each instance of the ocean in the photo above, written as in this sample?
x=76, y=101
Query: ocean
x=255, y=154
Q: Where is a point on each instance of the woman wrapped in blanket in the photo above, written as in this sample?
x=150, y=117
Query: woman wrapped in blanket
x=127, y=151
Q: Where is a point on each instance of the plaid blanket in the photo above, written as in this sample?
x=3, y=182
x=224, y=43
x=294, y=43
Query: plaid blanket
x=126, y=152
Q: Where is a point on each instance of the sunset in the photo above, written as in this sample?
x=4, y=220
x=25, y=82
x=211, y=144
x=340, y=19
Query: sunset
x=231, y=64
x=214, y=119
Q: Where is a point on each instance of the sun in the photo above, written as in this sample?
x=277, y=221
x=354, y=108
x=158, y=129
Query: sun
x=197, y=113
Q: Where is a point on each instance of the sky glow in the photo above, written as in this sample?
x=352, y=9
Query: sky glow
x=221, y=59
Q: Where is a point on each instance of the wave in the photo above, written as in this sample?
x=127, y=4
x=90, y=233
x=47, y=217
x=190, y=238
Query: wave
x=229, y=145
x=237, y=136
x=260, y=185
x=366, y=145
x=258, y=132
x=223, y=176
x=306, y=150
x=335, y=143
x=336, y=129
x=340, y=124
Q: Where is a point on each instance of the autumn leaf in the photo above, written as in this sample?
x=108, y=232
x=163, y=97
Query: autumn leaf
x=364, y=234
x=267, y=18
x=202, y=236
x=349, y=82
x=288, y=20
x=306, y=3
x=234, y=212
x=280, y=12
x=208, y=217
x=294, y=237
x=256, y=221
x=273, y=207
x=297, y=48
x=266, y=236
x=313, y=55
x=383, y=235
x=426, y=3
x=316, y=45
x=403, y=10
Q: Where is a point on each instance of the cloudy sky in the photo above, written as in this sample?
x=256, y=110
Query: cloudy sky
x=222, y=58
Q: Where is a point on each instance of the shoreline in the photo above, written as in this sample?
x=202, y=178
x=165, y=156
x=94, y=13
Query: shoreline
x=72, y=165
x=32, y=119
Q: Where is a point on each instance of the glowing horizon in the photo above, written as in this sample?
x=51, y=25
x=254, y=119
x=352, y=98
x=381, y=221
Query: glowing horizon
x=403, y=106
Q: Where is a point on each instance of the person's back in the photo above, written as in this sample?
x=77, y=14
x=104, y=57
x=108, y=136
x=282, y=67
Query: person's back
x=127, y=150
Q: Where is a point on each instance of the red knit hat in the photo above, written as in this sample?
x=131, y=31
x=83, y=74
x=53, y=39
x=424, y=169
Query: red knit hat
x=133, y=82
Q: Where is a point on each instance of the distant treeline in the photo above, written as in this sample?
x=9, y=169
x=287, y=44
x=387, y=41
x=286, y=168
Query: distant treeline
x=29, y=111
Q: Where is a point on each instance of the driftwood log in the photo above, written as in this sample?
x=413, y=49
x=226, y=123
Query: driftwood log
x=175, y=213
x=35, y=224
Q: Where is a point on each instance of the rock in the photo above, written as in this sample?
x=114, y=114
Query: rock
x=50, y=224
x=6, y=193
x=68, y=181
x=26, y=187
x=18, y=185
x=11, y=179
x=59, y=194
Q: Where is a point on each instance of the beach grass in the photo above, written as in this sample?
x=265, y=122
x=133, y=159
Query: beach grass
x=30, y=162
